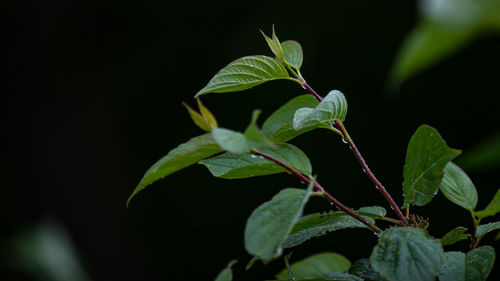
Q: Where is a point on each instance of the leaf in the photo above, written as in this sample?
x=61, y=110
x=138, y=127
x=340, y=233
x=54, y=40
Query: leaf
x=292, y=52
x=336, y=276
x=406, y=253
x=445, y=27
x=458, y=187
x=274, y=44
x=362, y=268
x=237, y=142
x=453, y=268
x=236, y=166
x=493, y=207
x=178, y=158
x=278, y=126
x=317, y=224
x=476, y=265
x=206, y=114
x=226, y=274
x=455, y=235
x=201, y=122
x=332, y=108
x=483, y=229
x=270, y=224
x=317, y=265
x=426, y=158
x=479, y=263
x=245, y=73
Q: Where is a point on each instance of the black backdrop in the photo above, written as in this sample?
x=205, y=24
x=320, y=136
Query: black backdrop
x=92, y=97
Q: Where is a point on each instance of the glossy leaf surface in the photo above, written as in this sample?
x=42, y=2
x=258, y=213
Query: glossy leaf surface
x=455, y=235
x=178, y=158
x=317, y=224
x=278, y=126
x=458, y=187
x=317, y=265
x=332, y=108
x=245, y=73
x=407, y=254
x=292, y=52
x=426, y=157
x=235, y=166
x=486, y=228
x=269, y=225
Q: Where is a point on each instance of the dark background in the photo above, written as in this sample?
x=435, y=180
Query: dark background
x=92, y=97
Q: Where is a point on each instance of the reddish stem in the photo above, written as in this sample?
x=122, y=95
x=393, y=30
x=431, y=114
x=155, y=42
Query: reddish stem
x=369, y=173
x=319, y=189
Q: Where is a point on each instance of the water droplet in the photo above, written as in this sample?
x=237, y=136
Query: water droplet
x=261, y=157
x=304, y=87
x=364, y=171
x=331, y=203
x=302, y=182
x=345, y=141
x=376, y=234
x=376, y=187
x=253, y=156
x=392, y=207
x=350, y=147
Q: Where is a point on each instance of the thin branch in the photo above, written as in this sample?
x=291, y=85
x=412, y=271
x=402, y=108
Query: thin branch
x=368, y=172
x=320, y=190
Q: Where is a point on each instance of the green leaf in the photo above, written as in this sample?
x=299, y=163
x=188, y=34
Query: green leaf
x=479, y=263
x=483, y=229
x=274, y=44
x=336, y=276
x=226, y=274
x=317, y=224
x=316, y=265
x=453, y=268
x=179, y=158
x=201, y=122
x=458, y=187
x=445, y=27
x=292, y=52
x=237, y=142
x=270, y=224
x=493, y=207
x=278, y=126
x=405, y=253
x=206, y=114
x=476, y=265
x=332, y=108
x=483, y=156
x=236, y=166
x=455, y=235
x=245, y=73
x=362, y=268
x=426, y=158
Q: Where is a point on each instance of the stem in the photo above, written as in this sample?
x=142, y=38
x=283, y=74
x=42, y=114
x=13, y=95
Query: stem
x=391, y=220
x=371, y=176
x=319, y=189
x=311, y=90
x=474, y=239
